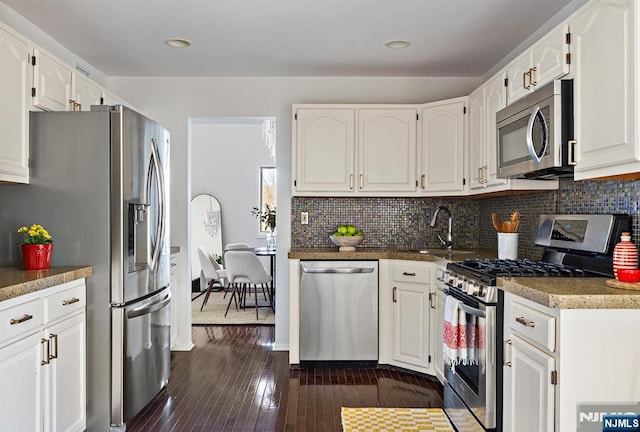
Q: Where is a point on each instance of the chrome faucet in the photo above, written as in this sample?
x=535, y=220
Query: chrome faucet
x=449, y=242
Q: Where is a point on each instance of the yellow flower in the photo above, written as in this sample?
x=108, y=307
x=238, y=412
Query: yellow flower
x=36, y=234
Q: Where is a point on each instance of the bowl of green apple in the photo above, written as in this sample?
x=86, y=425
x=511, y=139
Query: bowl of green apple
x=347, y=237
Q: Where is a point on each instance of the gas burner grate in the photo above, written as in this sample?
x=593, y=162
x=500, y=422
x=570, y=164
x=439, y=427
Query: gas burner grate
x=522, y=268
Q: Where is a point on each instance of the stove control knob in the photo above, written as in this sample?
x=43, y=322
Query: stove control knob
x=460, y=283
x=480, y=292
x=472, y=288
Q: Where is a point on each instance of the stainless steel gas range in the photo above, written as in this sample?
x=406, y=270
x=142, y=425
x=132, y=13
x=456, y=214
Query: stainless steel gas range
x=574, y=246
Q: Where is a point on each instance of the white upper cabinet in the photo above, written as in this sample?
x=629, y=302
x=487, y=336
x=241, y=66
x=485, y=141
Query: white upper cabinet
x=51, y=82
x=354, y=149
x=85, y=93
x=324, y=150
x=606, y=89
x=547, y=60
x=387, y=149
x=14, y=108
x=441, y=147
x=484, y=103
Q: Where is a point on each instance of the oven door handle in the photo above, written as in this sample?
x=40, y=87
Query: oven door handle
x=472, y=311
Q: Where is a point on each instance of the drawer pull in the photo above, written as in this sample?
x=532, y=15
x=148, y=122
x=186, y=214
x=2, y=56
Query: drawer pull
x=393, y=295
x=25, y=317
x=526, y=322
x=408, y=274
x=71, y=301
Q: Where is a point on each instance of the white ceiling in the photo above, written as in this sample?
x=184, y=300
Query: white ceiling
x=290, y=37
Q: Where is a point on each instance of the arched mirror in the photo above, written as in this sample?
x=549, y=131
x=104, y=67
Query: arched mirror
x=206, y=232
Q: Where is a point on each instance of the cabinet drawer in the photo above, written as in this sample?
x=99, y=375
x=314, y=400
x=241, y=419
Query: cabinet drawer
x=21, y=318
x=536, y=326
x=409, y=273
x=66, y=302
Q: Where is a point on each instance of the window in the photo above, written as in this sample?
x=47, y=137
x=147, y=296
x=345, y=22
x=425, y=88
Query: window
x=268, y=197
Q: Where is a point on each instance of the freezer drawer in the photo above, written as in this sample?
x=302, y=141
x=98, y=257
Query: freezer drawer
x=141, y=368
x=339, y=311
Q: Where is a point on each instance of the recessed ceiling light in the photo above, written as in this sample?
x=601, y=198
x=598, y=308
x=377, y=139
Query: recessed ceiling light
x=177, y=43
x=397, y=44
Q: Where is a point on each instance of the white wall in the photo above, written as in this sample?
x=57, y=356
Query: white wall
x=226, y=155
x=173, y=100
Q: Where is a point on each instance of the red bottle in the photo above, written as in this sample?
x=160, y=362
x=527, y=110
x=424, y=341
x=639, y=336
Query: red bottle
x=625, y=254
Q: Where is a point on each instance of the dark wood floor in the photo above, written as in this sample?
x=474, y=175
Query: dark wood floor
x=233, y=381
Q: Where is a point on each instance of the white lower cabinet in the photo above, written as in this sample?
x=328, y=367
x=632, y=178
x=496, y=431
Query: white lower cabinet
x=528, y=392
x=43, y=364
x=560, y=361
x=405, y=314
x=438, y=324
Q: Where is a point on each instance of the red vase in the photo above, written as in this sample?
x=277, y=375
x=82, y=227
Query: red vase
x=36, y=256
x=625, y=254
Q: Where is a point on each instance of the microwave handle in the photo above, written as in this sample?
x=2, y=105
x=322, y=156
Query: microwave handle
x=532, y=119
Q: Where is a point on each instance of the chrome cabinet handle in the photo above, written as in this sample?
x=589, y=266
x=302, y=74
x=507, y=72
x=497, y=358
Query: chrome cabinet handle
x=431, y=302
x=395, y=300
x=408, y=274
x=504, y=352
x=480, y=175
x=525, y=322
x=54, y=338
x=422, y=180
x=351, y=182
x=361, y=181
x=23, y=318
x=70, y=301
x=47, y=351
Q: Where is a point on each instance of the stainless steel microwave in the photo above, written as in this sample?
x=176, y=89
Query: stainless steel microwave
x=535, y=134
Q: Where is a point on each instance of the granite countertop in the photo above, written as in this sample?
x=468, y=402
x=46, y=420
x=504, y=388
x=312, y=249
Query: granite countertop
x=571, y=293
x=15, y=282
x=332, y=253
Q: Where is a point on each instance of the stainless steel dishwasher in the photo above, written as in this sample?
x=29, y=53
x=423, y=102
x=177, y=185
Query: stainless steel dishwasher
x=339, y=311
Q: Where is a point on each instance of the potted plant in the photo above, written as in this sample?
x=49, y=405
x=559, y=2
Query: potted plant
x=36, y=247
x=267, y=219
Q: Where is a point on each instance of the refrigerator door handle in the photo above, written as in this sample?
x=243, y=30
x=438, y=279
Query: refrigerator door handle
x=148, y=307
x=160, y=228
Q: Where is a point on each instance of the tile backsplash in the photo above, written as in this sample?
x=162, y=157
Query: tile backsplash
x=404, y=222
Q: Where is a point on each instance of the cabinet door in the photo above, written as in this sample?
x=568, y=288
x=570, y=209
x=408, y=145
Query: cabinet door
x=550, y=58
x=52, y=83
x=477, y=136
x=605, y=119
x=411, y=324
x=21, y=389
x=14, y=109
x=387, y=149
x=528, y=393
x=85, y=93
x=518, y=76
x=494, y=101
x=442, y=147
x=438, y=355
x=65, y=407
x=324, y=150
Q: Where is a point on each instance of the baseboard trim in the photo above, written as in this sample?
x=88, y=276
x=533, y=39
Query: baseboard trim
x=280, y=347
x=182, y=347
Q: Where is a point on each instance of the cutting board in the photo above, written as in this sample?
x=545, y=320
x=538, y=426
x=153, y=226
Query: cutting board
x=613, y=283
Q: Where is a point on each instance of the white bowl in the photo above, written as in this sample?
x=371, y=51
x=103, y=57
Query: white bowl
x=346, y=243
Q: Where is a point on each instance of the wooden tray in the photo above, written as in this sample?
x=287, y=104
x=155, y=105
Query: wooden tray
x=613, y=283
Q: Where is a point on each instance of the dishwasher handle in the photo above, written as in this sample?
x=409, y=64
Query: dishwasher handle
x=340, y=270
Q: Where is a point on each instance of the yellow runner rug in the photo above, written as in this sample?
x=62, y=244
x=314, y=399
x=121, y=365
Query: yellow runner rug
x=394, y=420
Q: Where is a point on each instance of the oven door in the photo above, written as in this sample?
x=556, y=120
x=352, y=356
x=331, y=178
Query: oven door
x=474, y=384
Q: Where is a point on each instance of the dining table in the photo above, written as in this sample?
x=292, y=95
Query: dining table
x=271, y=253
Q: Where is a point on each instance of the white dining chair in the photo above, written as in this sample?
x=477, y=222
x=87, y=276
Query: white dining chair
x=212, y=272
x=245, y=271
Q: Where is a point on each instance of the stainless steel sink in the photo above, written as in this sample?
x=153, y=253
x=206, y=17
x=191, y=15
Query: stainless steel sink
x=442, y=252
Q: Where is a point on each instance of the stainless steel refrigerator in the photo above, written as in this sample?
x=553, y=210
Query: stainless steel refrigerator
x=99, y=184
